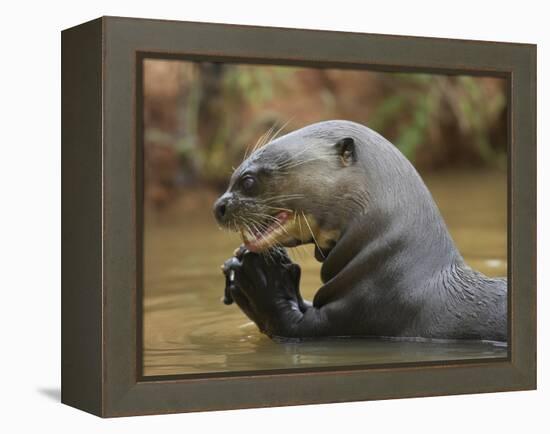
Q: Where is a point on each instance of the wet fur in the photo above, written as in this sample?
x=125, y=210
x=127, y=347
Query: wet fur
x=393, y=269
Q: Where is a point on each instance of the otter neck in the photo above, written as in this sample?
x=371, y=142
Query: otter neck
x=399, y=228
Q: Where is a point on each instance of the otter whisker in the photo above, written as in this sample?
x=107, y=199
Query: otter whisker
x=281, y=198
x=232, y=226
x=297, y=219
x=319, y=154
x=257, y=145
x=279, y=208
x=254, y=229
x=286, y=195
x=251, y=225
x=270, y=204
x=306, y=148
x=313, y=236
x=300, y=228
x=273, y=219
x=261, y=214
x=300, y=163
x=302, y=151
x=270, y=218
x=264, y=139
x=277, y=222
x=274, y=136
x=247, y=151
x=240, y=224
x=258, y=226
x=276, y=244
x=269, y=134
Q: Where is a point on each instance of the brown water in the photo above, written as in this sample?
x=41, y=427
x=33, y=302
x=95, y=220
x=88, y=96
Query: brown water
x=187, y=329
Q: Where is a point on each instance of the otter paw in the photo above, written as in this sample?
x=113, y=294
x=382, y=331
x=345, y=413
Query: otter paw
x=228, y=269
x=265, y=287
x=269, y=279
x=233, y=292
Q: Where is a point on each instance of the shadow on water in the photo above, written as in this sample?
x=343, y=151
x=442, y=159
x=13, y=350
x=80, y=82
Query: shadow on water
x=188, y=330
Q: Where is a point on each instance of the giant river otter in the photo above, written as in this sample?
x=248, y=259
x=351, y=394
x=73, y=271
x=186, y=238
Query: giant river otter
x=390, y=267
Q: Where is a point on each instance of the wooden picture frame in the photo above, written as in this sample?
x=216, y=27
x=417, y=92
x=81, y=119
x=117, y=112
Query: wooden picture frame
x=102, y=178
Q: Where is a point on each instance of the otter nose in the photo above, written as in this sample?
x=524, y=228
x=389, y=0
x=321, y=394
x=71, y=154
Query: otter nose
x=221, y=208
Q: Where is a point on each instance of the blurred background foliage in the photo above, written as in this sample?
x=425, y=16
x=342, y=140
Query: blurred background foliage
x=200, y=117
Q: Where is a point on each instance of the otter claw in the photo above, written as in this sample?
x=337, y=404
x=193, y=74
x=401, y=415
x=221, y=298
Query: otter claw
x=227, y=299
x=229, y=274
x=240, y=251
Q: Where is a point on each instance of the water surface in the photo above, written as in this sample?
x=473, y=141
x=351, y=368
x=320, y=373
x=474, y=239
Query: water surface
x=187, y=329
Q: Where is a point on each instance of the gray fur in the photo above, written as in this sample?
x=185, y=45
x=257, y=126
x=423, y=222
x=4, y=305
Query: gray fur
x=394, y=270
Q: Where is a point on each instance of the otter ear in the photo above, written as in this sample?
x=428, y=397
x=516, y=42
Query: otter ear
x=346, y=151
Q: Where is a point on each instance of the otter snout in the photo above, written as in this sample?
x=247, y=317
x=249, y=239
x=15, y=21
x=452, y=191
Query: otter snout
x=222, y=208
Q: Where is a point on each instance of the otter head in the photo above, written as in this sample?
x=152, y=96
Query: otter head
x=294, y=190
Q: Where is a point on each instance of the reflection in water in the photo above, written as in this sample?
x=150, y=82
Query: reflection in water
x=188, y=330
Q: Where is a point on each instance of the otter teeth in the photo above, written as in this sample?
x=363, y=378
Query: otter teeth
x=257, y=240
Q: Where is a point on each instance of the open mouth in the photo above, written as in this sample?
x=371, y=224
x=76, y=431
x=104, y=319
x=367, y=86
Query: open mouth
x=257, y=239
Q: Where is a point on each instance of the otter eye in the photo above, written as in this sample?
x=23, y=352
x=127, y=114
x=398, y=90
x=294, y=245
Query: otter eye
x=248, y=184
